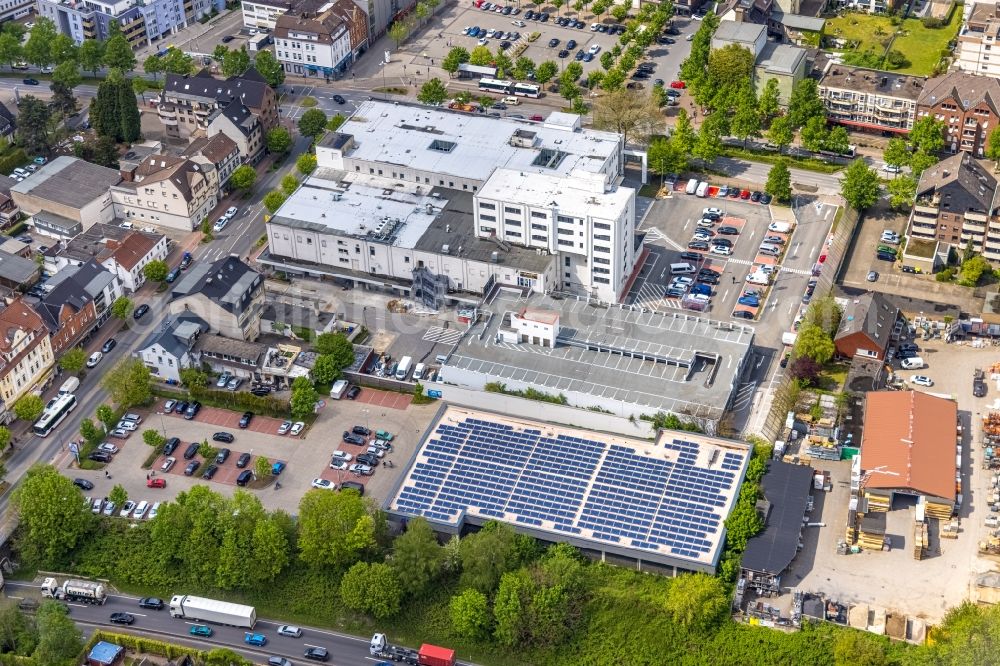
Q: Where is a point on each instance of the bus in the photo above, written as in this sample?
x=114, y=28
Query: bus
x=54, y=415
x=525, y=89
x=495, y=86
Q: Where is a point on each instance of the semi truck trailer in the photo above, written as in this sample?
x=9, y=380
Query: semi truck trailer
x=84, y=591
x=427, y=655
x=211, y=610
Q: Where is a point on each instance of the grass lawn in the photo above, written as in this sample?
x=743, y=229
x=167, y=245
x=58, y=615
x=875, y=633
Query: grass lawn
x=921, y=46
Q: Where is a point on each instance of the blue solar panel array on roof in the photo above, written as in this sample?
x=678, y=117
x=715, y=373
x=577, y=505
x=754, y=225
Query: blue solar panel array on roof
x=569, y=482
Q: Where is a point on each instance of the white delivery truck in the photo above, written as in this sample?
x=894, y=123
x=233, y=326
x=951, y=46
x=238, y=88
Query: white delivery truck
x=338, y=389
x=69, y=386
x=702, y=189
x=403, y=369
x=201, y=609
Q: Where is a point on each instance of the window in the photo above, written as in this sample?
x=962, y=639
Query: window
x=568, y=220
x=488, y=218
x=599, y=248
x=563, y=241
x=511, y=223
x=568, y=260
x=564, y=232
x=538, y=237
x=539, y=227
x=487, y=206
x=514, y=234
x=602, y=237
x=603, y=271
x=509, y=209
x=602, y=226
x=540, y=214
x=601, y=260
x=601, y=280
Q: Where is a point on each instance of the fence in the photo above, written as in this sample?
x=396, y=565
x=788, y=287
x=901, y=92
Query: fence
x=385, y=383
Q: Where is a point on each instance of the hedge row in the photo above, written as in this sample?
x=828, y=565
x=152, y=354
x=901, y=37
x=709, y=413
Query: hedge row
x=238, y=400
x=10, y=162
x=141, y=645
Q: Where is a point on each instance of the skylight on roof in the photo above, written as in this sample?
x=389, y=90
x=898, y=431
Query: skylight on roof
x=442, y=146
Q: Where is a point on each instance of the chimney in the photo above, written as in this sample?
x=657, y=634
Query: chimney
x=128, y=175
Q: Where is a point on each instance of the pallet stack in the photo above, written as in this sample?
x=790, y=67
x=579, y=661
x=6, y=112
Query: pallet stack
x=919, y=540
x=950, y=529
x=942, y=512
x=871, y=536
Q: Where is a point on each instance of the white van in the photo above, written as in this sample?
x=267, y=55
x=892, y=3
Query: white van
x=338, y=389
x=682, y=269
x=510, y=100
x=914, y=363
x=702, y=189
x=780, y=227
x=418, y=372
x=692, y=186
x=69, y=386
x=760, y=277
x=403, y=369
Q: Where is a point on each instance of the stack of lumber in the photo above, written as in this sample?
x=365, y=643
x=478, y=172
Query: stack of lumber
x=919, y=540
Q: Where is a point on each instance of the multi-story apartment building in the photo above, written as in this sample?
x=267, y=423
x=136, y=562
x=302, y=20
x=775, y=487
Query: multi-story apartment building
x=127, y=257
x=70, y=313
x=167, y=191
x=957, y=203
x=187, y=103
x=968, y=104
x=11, y=10
x=221, y=151
x=976, y=40
x=243, y=129
x=143, y=22
x=263, y=13
x=869, y=99
x=313, y=39
x=227, y=294
x=26, y=358
x=101, y=285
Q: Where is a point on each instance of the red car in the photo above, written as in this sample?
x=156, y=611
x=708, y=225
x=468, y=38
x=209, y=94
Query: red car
x=537, y=118
x=745, y=194
x=156, y=482
x=678, y=84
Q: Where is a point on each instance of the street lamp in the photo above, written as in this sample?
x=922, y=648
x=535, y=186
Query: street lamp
x=385, y=92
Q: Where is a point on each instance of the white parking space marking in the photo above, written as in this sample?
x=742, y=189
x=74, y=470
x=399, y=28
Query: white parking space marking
x=448, y=336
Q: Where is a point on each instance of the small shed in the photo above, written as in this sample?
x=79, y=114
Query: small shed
x=105, y=654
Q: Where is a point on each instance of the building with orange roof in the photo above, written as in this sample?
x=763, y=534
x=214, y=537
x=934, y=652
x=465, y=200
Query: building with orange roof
x=909, y=448
x=128, y=256
x=26, y=358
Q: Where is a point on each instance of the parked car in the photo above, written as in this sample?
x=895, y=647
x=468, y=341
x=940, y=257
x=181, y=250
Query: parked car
x=297, y=428
x=140, y=312
x=222, y=456
x=192, y=450
x=922, y=380
x=234, y=383
x=83, y=484
x=94, y=359
x=156, y=482
x=353, y=439
x=192, y=467
x=192, y=410
x=245, y=419
x=358, y=468
x=243, y=460
x=361, y=430
x=168, y=406
x=108, y=345
x=353, y=392
x=170, y=446
x=210, y=472
x=223, y=380
x=284, y=427
x=108, y=447
x=100, y=456
x=127, y=508
x=223, y=436
x=323, y=484
x=342, y=455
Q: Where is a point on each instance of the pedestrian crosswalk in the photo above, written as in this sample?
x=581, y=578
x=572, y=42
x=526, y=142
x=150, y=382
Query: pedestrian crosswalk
x=445, y=336
x=653, y=235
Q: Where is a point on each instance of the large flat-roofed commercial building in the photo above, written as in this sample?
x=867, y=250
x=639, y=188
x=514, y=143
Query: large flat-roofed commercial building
x=67, y=196
x=656, y=504
x=416, y=243
x=869, y=99
x=623, y=360
x=436, y=147
x=588, y=226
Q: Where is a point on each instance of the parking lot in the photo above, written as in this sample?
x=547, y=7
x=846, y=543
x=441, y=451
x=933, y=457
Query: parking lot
x=671, y=226
x=307, y=457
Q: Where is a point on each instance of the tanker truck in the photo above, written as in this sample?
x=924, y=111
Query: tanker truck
x=84, y=591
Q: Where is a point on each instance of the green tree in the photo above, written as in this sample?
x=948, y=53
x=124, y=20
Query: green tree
x=902, y=192
x=243, y=178
x=432, y=92
x=481, y=56
x=455, y=57
x=156, y=270
x=814, y=342
x=273, y=200
x=545, y=72
x=59, y=640
x=289, y=183
x=29, y=407
x=398, y=32
x=17, y=635
x=262, y=467
x=860, y=185
x=666, y=157
x=118, y=495
x=269, y=67
x=312, y=123
x=769, y=104
x=53, y=519
x=510, y=607
x=814, y=133
x=838, y=140
x=631, y=113
x=920, y=161
x=805, y=103
x=335, y=122
x=279, y=140
x=90, y=55
x=153, y=438
x=5, y=437
x=106, y=415
x=62, y=49
x=91, y=434
x=118, y=54
x=38, y=48
x=139, y=87
x=745, y=122
x=697, y=601
x=304, y=397
x=694, y=68
x=153, y=64
x=371, y=589
x=305, y=164
x=781, y=133
x=416, y=557
x=486, y=556
x=613, y=80
x=709, y=144
x=973, y=269
x=224, y=657
x=10, y=49
x=73, y=360
x=177, y=62
x=523, y=66
x=236, y=62
x=993, y=148
x=66, y=76
x=324, y=369
x=338, y=346
x=470, y=614
x=33, y=125
x=896, y=152
x=192, y=377
x=779, y=182
x=335, y=529
x=129, y=383
x=122, y=307
x=927, y=135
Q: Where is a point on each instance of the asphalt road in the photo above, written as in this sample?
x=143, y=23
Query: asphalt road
x=344, y=649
